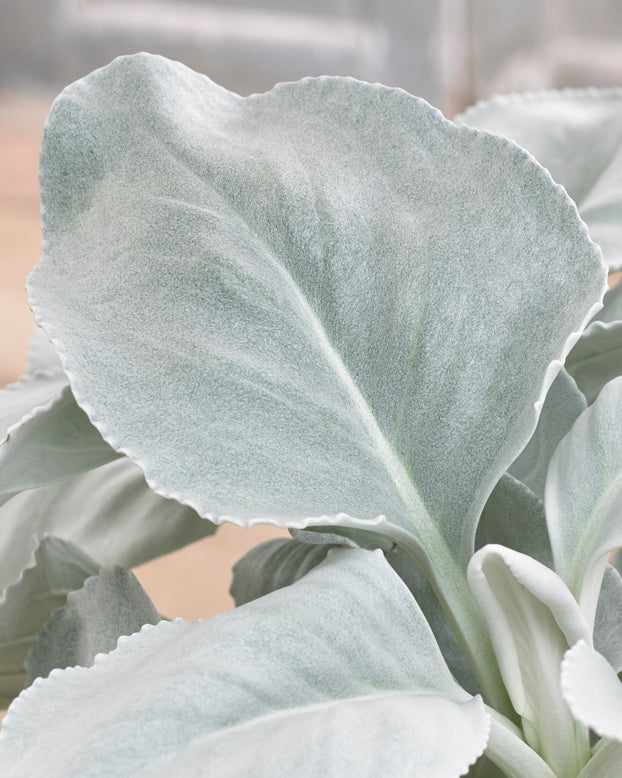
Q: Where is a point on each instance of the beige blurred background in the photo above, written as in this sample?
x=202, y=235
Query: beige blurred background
x=451, y=52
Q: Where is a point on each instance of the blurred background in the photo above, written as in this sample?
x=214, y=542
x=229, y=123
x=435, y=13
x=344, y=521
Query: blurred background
x=451, y=52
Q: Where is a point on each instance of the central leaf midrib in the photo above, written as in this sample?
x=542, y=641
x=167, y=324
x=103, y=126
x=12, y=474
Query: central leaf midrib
x=406, y=490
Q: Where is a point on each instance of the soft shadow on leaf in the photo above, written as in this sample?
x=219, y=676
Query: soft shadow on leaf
x=608, y=622
x=584, y=494
x=514, y=517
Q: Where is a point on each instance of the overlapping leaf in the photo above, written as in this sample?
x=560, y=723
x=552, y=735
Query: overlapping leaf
x=608, y=621
x=341, y=650
x=577, y=136
x=514, y=517
x=583, y=496
x=596, y=358
x=279, y=563
x=533, y=620
x=249, y=295
x=58, y=569
x=564, y=403
x=109, y=512
x=110, y=604
x=593, y=691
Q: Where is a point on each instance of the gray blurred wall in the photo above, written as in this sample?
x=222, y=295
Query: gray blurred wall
x=448, y=51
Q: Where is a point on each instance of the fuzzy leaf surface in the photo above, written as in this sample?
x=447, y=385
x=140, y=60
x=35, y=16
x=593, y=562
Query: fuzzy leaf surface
x=59, y=568
x=110, y=604
x=577, y=135
x=347, y=640
x=109, y=512
x=249, y=295
x=584, y=495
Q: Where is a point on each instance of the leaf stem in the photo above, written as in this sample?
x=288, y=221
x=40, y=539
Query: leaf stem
x=450, y=584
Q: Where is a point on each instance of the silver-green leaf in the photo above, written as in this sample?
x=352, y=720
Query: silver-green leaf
x=249, y=295
x=584, y=494
x=110, y=604
x=58, y=568
x=109, y=512
x=341, y=650
x=577, y=135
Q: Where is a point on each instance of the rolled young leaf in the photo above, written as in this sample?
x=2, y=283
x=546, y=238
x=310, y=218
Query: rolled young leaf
x=248, y=295
x=109, y=512
x=584, y=494
x=91, y=621
x=533, y=619
x=577, y=135
x=58, y=568
x=347, y=640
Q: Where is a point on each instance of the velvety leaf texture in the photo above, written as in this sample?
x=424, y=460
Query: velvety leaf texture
x=514, y=517
x=564, y=403
x=347, y=640
x=608, y=622
x=58, y=568
x=584, y=494
x=109, y=512
x=42, y=355
x=92, y=620
x=272, y=565
x=577, y=135
x=250, y=295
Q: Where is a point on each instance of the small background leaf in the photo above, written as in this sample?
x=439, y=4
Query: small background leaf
x=90, y=622
x=109, y=512
x=59, y=568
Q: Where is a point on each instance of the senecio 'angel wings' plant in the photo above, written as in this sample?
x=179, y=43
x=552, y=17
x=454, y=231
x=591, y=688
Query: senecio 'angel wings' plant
x=329, y=309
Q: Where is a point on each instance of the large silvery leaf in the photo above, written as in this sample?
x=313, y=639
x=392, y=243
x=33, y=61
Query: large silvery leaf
x=58, y=568
x=109, y=512
x=346, y=641
x=250, y=299
x=577, y=136
x=584, y=494
x=110, y=604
